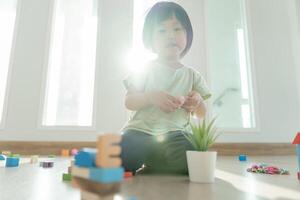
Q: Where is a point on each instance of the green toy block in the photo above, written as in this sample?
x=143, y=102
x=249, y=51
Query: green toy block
x=14, y=155
x=67, y=177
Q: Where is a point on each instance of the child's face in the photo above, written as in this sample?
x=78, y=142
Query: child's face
x=169, y=39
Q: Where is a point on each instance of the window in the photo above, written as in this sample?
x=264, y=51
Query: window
x=70, y=79
x=8, y=11
x=228, y=57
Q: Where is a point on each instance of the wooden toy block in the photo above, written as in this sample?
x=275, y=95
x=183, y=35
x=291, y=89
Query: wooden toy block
x=85, y=195
x=67, y=177
x=108, y=151
x=100, y=175
x=34, y=159
x=242, y=157
x=298, y=174
x=65, y=152
x=74, y=151
x=2, y=157
x=51, y=156
x=94, y=187
x=86, y=158
x=69, y=170
x=6, y=153
x=47, y=164
x=128, y=174
x=12, y=162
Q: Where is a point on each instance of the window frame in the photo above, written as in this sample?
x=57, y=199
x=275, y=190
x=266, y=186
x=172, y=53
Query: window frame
x=48, y=41
x=251, y=72
x=10, y=65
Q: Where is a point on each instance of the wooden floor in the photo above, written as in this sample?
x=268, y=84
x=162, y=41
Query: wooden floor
x=233, y=182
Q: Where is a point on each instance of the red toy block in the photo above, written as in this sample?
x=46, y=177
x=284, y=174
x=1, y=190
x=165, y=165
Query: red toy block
x=297, y=139
x=127, y=174
x=298, y=176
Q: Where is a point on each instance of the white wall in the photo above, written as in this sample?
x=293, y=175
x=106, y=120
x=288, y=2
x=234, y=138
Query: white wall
x=275, y=54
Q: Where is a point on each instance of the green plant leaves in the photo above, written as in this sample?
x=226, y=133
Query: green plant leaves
x=203, y=135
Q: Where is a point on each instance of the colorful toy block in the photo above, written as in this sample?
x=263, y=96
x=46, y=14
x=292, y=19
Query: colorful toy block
x=14, y=155
x=94, y=187
x=128, y=174
x=297, y=142
x=47, y=164
x=65, y=152
x=108, y=151
x=12, y=162
x=34, y=159
x=74, y=152
x=67, y=177
x=86, y=158
x=100, y=175
x=2, y=157
x=242, y=157
x=85, y=195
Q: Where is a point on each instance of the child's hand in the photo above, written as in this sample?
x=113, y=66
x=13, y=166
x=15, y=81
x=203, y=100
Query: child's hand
x=166, y=102
x=192, y=101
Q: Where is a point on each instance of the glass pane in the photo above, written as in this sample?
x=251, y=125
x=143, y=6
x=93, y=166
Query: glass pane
x=8, y=10
x=71, y=66
x=230, y=64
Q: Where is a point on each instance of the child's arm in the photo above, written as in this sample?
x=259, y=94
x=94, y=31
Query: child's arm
x=136, y=100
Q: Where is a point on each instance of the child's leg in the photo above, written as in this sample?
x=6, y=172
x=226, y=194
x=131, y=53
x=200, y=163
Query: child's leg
x=170, y=155
x=136, y=146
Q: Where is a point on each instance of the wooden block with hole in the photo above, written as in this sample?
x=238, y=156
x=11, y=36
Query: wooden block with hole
x=109, y=151
x=95, y=187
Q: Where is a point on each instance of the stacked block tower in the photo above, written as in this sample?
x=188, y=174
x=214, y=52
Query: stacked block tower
x=297, y=142
x=98, y=171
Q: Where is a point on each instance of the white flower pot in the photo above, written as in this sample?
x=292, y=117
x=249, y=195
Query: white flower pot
x=201, y=165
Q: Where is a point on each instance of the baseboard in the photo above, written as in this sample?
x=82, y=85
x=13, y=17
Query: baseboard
x=46, y=148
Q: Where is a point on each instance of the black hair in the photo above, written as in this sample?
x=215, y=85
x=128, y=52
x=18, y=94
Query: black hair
x=162, y=11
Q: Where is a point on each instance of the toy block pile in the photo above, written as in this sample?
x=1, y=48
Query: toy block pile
x=98, y=171
x=11, y=160
x=66, y=152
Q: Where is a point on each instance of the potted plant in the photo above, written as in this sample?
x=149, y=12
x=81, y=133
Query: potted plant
x=201, y=162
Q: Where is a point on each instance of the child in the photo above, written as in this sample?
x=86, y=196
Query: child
x=164, y=97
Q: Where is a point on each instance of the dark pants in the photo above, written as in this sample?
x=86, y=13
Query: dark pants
x=160, y=154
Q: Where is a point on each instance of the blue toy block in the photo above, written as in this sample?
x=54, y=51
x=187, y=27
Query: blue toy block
x=298, y=154
x=12, y=162
x=2, y=157
x=100, y=175
x=86, y=157
x=242, y=157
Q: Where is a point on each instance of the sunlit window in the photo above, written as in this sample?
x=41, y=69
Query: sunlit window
x=230, y=65
x=69, y=94
x=8, y=11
